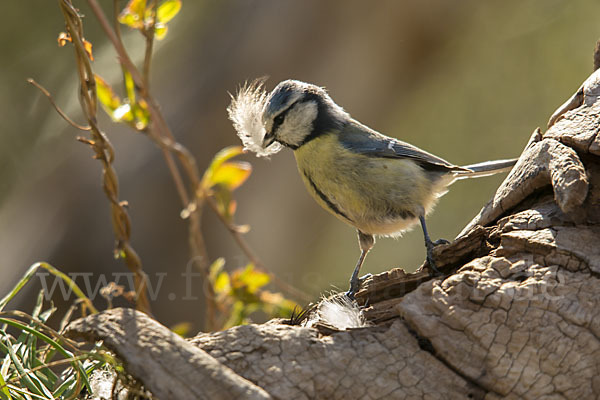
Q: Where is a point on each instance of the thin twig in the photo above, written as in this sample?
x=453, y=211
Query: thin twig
x=173, y=170
x=149, y=34
x=57, y=108
x=105, y=153
x=116, y=24
x=161, y=134
x=237, y=236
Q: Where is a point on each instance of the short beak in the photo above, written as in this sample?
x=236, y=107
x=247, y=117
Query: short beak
x=268, y=140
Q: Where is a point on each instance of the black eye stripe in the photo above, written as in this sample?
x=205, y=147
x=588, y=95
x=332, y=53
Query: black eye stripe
x=278, y=120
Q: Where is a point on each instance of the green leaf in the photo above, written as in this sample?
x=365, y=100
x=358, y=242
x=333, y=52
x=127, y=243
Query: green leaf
x=167, y=11
x=231, y=174
x=133, y=14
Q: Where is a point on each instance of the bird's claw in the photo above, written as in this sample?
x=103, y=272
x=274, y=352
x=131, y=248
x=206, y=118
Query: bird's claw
x=440, y=241
x=355, y=285
x=430, y=246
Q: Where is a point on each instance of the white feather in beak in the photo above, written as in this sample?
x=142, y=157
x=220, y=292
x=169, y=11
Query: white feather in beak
x=246, y=111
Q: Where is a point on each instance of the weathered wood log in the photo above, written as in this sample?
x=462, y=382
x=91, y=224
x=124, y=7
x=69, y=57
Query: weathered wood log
x=516, y=316
x=163, y=361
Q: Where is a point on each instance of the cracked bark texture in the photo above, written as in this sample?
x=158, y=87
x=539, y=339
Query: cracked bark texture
x=517, y=316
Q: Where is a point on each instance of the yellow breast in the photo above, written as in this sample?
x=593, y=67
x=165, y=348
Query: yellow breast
x=379, y=196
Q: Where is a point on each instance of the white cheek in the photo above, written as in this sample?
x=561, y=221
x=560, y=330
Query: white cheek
x=298, y=123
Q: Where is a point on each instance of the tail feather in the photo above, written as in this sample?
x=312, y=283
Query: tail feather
x=486, y=168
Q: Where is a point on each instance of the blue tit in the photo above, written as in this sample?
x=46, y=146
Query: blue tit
x=379, y=185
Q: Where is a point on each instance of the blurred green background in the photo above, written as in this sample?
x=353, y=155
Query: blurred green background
x=467, y=80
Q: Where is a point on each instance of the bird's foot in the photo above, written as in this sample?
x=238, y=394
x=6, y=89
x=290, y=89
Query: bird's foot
x=430, y=246
x=355, y=284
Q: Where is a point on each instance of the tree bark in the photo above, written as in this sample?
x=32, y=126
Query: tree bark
x=517, y=316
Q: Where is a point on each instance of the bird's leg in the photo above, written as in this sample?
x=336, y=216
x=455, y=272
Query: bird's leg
x=430, y=245
x=365, y=242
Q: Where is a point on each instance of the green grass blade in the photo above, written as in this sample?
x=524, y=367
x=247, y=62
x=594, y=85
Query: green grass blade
x=31, y=272
x=4, y=393
x=29, y=380
x=67, y=385
x=19, y=286
x=67, y=354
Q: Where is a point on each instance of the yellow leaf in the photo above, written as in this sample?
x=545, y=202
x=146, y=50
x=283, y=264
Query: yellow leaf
x=142, y=115
x=231, y=174
x=160, y=31
x=251, y=279
x=167, y=10
x=111, y=103
x=222, y=283
x=219, y=158
x=106, y=95
x=123, y=113
x=129, y=86
x=88, y=49
x=133, y=14
x=215, y=269
x=182, y=328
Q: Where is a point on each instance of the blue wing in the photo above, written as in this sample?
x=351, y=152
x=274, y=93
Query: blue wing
x=363, y=140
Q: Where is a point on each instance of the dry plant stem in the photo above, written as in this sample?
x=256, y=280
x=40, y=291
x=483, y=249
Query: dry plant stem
x=57, y=108
x=180, y=186
x=105, y=153
x=237, y=236
x=149, y=34
x=160, y=133
x=55, y=363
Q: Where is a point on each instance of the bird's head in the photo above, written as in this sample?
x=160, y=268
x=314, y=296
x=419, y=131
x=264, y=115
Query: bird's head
x=292, y=114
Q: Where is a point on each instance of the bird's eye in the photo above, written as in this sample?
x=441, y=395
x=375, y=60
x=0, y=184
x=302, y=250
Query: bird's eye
x=278, y=120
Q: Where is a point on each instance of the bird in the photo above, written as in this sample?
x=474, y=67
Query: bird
x=380, y=185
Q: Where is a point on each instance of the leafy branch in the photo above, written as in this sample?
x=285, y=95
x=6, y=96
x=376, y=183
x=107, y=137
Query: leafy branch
x=140, y=111
x=104, y=152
